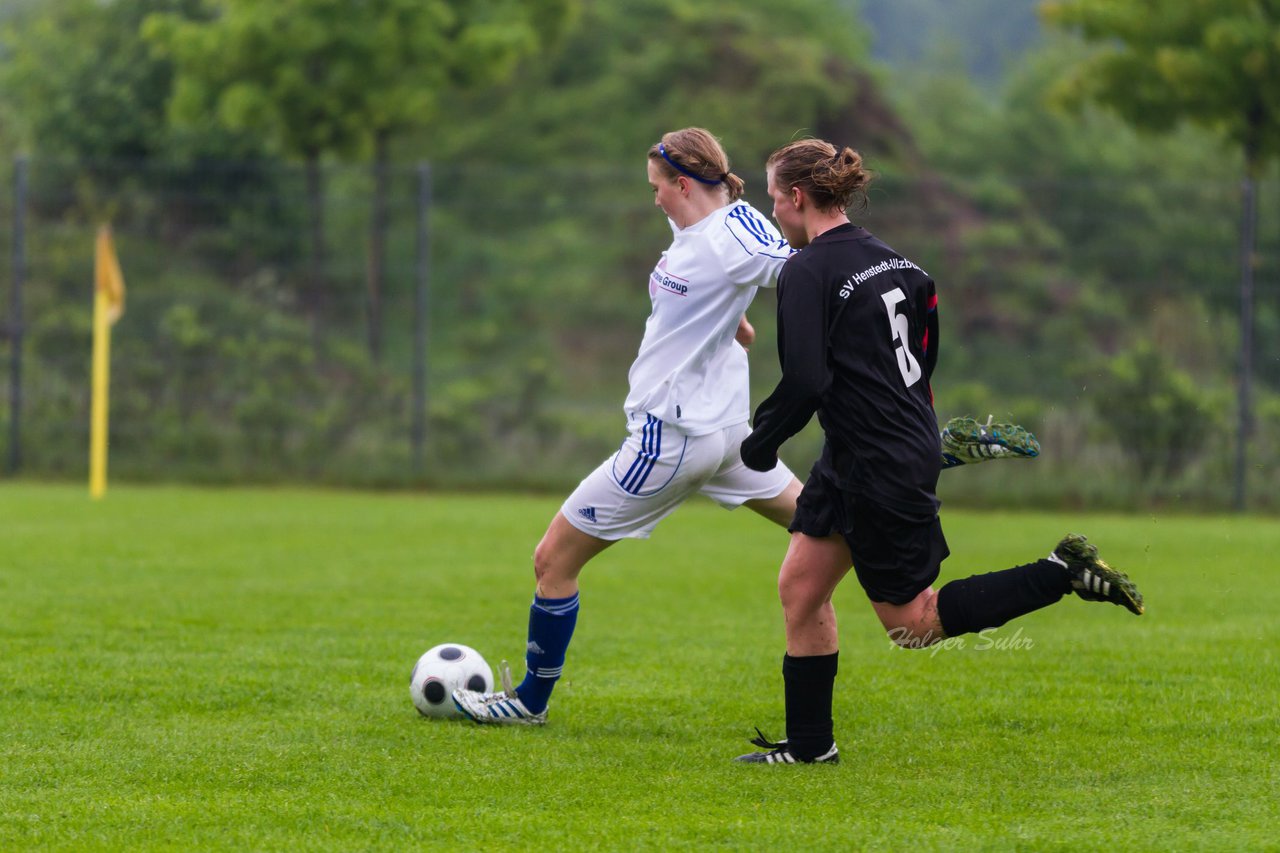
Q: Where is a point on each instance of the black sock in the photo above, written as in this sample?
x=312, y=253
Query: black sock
x=990, y=600
x=808, y=682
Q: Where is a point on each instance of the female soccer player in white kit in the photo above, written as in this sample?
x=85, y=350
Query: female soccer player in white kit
x=687, y=409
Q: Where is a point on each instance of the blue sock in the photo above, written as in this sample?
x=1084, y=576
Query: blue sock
x=551, y=623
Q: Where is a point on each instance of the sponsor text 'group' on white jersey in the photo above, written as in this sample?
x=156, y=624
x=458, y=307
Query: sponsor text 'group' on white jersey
x=690, y=372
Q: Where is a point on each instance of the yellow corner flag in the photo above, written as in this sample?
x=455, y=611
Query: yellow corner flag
x=108, y=305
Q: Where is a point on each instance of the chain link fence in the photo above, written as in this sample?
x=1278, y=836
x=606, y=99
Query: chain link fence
x=470, y=326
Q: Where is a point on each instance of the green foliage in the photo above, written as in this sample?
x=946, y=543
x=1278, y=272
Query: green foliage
x=78, y=82
x=1146, y=209
x=1106, y=229
x=318, y=79
x=979, y=39
x=1214, y=63
x=210, y=385
x=1054, y=235
x=1160, y=417
x=751, y=75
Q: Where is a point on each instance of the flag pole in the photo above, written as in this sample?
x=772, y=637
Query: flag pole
x=101, y=386
x=108, y=305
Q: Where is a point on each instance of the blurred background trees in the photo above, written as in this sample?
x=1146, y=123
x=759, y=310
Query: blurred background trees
x=260, y=160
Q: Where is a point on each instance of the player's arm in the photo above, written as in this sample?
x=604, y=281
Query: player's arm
x=753, y=252
x=806, y=375
x=746, y=334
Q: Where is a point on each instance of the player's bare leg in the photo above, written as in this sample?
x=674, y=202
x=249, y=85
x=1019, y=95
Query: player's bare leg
x=557, y=562
x=810, y=573
x=780, y=508
x=913, y=625
x=561, y=556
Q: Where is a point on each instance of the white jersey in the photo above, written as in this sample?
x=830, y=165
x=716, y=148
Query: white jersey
x=690, y=372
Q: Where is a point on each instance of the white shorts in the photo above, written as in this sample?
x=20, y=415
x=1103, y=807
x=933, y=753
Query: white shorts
x=656, y=470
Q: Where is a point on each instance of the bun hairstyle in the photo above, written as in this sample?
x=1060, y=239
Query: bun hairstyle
x=832, y=179
x=695, y=153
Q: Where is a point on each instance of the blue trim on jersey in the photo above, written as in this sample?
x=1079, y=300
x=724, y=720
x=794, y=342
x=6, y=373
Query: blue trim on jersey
x=777, y=249
x=781, y=245
x=734, y=235
x=753, y=225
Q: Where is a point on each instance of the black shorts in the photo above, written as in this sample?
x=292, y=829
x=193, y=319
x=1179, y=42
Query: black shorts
x=896, y=555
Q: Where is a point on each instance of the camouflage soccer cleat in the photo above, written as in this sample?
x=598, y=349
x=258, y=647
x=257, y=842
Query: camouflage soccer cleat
x=1092, y=579
x=780, y=753
x=966, y=441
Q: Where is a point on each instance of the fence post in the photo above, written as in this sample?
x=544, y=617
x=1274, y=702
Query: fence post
x=1244, y=429
x=422, y=272
x=16, y=321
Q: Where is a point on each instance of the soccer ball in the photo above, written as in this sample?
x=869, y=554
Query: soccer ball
x=443, y=669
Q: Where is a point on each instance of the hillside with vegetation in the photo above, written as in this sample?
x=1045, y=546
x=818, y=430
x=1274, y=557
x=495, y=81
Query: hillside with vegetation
x=1087, y=272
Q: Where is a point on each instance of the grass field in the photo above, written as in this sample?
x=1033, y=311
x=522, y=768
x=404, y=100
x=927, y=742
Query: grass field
x=188, y=669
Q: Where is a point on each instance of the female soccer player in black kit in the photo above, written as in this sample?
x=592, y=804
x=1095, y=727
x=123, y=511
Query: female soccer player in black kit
x=858, y=341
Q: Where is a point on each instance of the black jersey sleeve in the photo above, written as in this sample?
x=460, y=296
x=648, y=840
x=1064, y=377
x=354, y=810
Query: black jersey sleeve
x=806, y=373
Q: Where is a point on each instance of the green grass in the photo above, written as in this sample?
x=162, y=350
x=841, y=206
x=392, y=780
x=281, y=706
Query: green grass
x=190, y=669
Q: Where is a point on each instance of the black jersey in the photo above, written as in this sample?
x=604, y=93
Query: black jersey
x=858, y=340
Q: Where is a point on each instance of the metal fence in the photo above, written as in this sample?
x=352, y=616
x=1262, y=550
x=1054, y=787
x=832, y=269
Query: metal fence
x=472, y=326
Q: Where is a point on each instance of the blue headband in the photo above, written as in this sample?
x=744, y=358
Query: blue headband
x=662, y=149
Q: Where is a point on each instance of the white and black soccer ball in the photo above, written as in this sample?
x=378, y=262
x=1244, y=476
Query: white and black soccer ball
x=440, y=671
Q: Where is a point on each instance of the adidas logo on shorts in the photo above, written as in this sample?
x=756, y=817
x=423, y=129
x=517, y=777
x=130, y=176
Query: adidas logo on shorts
x=589, y=513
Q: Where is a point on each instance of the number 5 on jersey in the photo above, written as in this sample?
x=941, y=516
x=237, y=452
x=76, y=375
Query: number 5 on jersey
x=900, y=329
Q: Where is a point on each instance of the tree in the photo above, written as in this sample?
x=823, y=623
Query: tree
x=78, y=83
x=1156, y=412
x=413, y=58
x=82, y=89
x=981, y=37
x=272, y=68
x=629, y=71
x=1213, y=63
x=322, y=77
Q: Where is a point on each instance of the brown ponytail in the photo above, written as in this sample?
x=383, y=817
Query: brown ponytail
x=833, y=179
x=695, y=153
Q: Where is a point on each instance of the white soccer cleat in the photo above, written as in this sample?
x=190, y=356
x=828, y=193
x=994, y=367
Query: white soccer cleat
x=504, y=709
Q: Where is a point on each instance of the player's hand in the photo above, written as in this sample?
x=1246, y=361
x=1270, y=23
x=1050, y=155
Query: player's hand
x=746, y=334
x=756, y=458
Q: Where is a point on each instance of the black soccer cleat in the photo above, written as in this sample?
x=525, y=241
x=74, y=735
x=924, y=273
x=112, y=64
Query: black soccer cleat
x=1094, y=580
x=780, y=753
